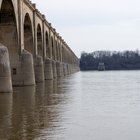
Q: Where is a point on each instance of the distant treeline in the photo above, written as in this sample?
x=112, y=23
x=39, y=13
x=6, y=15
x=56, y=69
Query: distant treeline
x=113, y=60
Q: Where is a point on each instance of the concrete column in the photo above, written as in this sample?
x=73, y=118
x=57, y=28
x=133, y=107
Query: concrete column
x=69, y=69
x=27, y=68
x=65, y=71
x=48, y=72
x=5, y=72
x=39, y=69
x=59, y=69
x=54, y=69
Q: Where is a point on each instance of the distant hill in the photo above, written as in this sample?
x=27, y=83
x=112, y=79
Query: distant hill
x=113, y=60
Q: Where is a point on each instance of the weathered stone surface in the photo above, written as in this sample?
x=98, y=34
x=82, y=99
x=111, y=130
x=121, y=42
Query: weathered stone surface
x=54, y=69
x=59, y=70
x=5, y=73
x=23, y=27
x=28, y=69
x=23, y=70
x=65, y=69
x=39, y=69
x=48, y=72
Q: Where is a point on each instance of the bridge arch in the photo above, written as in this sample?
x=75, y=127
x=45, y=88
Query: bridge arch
x=8, y=29
x=48, y=55
x=57, y=53
x=39, y=41
x=13, y=3
x=28, y=34
x=53, y=48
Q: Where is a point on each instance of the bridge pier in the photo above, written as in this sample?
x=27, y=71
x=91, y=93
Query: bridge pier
x=48, y=72
x=5, y=72
x=23, y=70
x=39, y=69
x=26, y=34
x=59, y=69
x=27, y=69
x=69, y=69
x=54, y=69
x=65, y=71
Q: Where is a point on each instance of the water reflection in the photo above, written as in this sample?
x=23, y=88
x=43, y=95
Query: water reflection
x=31, y=112
x=6, y=104
x=78, y=107
x=52, y=107
x=23, y=113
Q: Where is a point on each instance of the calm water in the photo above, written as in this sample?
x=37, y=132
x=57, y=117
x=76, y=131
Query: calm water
x=83, y=106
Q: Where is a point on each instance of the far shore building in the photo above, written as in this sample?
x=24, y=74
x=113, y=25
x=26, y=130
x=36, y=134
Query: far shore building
x=101, y=66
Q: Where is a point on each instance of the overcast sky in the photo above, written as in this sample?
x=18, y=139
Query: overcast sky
x=90, y=25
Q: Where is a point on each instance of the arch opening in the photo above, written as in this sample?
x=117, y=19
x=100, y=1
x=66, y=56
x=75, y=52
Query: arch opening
x=58, y=50
x=8, y=29
x=60, y=53
x=28, y=34
x=47, y=46
x=57, y=53
x=39, y=41
x=63, y=55
x=53, y=51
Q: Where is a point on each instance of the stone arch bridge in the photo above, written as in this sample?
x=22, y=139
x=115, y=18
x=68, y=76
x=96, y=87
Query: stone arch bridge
x=36, y=51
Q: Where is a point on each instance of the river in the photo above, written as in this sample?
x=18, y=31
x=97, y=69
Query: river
x=83, y=106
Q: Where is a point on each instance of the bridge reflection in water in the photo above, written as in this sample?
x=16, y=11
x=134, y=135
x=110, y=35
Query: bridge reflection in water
x=78, y=107
x=30, y=110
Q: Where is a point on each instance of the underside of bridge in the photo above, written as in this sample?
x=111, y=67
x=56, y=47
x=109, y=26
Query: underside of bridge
x=30, y=48
x=28, y=35
x=39, y=41
x=48, y=52
x=8, y=30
